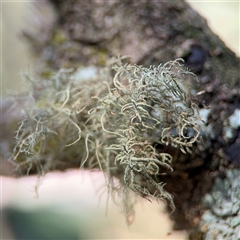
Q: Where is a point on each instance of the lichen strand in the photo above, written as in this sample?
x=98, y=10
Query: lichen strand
x=113, y=124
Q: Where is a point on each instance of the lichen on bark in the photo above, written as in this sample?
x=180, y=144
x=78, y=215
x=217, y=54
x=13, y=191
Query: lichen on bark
x=152, y=32
x=111, y=123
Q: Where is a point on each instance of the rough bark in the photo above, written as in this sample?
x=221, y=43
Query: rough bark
x=152, y=32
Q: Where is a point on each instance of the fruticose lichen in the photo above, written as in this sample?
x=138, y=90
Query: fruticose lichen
x=112, y=121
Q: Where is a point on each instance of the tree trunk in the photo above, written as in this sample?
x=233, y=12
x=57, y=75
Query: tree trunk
x=205, y=184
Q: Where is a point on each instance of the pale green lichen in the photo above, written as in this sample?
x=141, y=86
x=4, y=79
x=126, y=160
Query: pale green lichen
x=234, y=119
x=234, y=123
x=112, y=123
x=221, y=220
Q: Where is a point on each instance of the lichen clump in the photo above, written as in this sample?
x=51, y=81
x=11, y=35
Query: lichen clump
x=112, y=122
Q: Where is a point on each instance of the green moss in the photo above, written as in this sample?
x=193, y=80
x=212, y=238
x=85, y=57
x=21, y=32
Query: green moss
x=101, y=54
x=58, y=37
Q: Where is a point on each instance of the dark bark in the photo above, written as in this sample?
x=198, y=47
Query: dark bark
x=153, y=32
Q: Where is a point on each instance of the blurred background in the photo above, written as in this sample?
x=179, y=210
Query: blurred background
x=69, y=204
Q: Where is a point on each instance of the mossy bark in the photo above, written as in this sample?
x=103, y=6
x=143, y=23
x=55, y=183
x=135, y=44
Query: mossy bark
x=153, y=32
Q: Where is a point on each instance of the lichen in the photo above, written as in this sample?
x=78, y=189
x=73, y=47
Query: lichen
x=234, y=119
x=221, y=219
x=112, y=123
x=233, y=125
